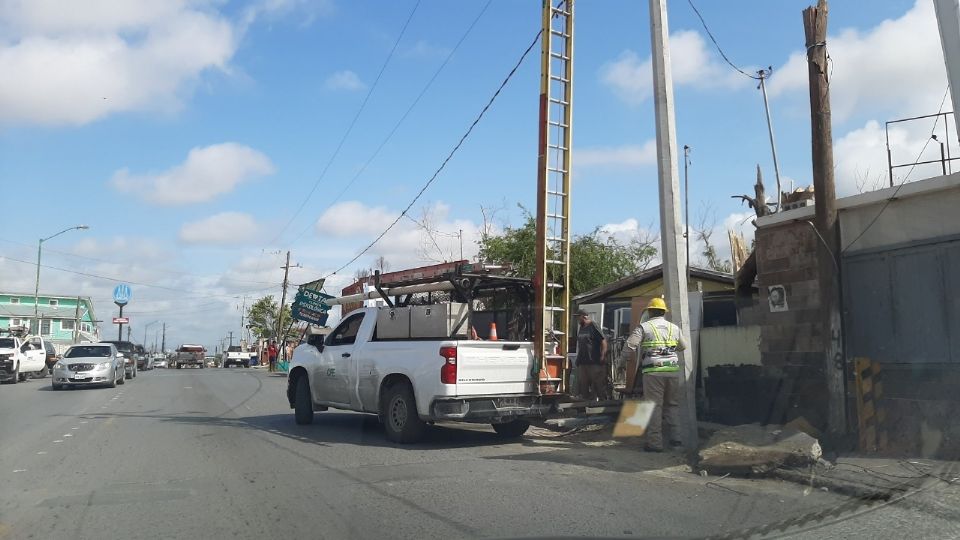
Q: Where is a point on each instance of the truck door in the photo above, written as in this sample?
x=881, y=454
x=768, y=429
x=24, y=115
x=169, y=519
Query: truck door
x=336, y=376
x=33, y=355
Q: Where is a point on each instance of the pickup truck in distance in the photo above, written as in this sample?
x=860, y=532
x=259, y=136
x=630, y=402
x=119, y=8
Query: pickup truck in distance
x=235, y=356
x=190, y=355
x=412, y=382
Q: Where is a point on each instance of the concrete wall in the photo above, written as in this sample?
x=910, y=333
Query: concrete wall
x=791, y=341
x=737, y=345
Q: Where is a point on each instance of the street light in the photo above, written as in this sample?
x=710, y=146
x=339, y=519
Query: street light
x=36, y=287
x=145, y=333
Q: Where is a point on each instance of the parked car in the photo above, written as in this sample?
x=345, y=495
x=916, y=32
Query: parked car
x=89, y=365
x=159, y=361
x=10, y=360
x=129, y=351
x=236, y=356
x=412, y=382
x=35, y=353
x=143, y=359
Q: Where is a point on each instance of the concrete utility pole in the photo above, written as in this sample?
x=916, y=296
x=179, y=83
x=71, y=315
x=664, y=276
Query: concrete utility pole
x=674, y=276
x=815, y=30
x=163, y=340
x=948, y=21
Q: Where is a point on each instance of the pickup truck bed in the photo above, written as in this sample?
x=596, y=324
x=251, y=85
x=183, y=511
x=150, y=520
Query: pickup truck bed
x=409, y=383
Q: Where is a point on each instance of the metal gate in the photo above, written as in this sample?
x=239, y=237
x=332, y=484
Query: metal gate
x=902, y=305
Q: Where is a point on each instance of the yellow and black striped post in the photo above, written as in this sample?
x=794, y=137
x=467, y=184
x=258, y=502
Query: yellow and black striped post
x=871, y=415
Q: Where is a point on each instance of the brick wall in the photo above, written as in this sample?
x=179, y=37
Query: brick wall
x=791, y=341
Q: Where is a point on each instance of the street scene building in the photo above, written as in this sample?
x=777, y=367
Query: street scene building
x=63, y=319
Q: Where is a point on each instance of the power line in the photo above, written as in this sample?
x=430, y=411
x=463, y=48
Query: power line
x=399, y=122
x=118, y=280
x=104, y=261
x=907, y=176
x=353, y=123
x=449, y=156
x=717, y=45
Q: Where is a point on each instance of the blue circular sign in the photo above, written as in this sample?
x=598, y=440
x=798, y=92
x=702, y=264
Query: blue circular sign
x=121, y=294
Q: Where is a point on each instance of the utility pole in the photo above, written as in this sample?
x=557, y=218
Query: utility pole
x=815, y=31
x=283, y=295
x=128, y=333
x=76, y=323
x=230, y=333
x=243, y=314
x=674, y=278
x=163, y=341
x=686, y=202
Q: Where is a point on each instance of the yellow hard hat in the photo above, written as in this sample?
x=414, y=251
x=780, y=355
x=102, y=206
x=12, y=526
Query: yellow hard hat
x=657, y=303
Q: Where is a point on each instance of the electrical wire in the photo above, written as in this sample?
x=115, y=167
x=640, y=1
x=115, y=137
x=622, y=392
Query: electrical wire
x=142, y=284
x=353, y=123
x=905, y=178
x=403, y=117
x=448, y=158
x=717, y=45
x=104, y=261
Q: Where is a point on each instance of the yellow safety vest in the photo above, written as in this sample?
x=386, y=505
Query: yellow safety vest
x=659, y=349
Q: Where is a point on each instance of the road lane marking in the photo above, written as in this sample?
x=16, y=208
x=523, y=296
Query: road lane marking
x=19, y=470
x=58, y=441
x=188, y=388
x=74, y=428
x=84, y=422
x=68, y=434
x=40, y=453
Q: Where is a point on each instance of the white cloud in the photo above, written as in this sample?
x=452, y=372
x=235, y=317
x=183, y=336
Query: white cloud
x=344, y=80
x=895, y=68
x=353, y=218
x=692, y=62
x=408, y=243
x=307, y=10
x=629, y=156
x=207, y=172
x=225, y=228
x=98, y=57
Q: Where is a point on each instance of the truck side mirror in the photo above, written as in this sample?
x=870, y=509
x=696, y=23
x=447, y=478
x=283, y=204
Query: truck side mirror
x=316, y=340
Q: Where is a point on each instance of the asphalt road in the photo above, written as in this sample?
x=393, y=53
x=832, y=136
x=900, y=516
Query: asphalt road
x=215, y=454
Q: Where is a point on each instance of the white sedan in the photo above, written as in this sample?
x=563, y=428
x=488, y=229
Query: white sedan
x=89, y=365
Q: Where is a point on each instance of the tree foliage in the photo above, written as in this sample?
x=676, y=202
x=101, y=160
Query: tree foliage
x=262, y=318
x=596, y=258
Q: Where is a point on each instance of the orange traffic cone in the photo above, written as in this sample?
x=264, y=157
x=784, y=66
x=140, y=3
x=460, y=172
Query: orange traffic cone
x=493, y=332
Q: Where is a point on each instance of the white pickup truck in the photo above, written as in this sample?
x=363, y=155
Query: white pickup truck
x=235, y=356
x=412, y=382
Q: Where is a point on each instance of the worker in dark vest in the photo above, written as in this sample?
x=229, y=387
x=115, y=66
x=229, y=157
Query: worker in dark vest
x=591, y=359
x=659, y=340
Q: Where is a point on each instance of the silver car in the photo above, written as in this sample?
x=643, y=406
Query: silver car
x=97, y=364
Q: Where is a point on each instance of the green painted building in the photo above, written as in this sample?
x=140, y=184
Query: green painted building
x=64, y=320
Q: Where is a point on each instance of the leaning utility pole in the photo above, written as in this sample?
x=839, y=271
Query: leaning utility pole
x=283, y=296
x=815, y=30
x=674, y=276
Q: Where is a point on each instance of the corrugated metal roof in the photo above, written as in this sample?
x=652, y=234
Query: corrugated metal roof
x=47, y=312
x=645, y=276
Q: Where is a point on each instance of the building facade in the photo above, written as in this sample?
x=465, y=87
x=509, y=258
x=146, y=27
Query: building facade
x=62, y=319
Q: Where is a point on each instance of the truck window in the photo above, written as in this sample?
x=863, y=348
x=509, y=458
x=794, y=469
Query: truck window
x=346, y=333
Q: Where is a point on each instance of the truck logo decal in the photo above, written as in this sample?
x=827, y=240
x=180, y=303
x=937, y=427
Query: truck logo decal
x=331, y=372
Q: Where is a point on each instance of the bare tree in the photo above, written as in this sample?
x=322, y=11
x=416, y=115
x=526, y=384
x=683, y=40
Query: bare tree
x=381, y=264
x=865, y=182
x=704, y=233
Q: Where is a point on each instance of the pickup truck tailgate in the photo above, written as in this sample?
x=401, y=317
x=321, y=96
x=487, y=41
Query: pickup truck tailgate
x=494, y=367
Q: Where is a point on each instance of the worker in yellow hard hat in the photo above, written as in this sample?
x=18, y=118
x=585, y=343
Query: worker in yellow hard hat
x=658, y=341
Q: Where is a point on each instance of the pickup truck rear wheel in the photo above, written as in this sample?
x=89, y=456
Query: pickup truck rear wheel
x=400, y=418
x=303, y=402
x=512, y=429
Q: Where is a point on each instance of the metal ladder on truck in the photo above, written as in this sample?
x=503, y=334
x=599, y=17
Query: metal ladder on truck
x=552, y=281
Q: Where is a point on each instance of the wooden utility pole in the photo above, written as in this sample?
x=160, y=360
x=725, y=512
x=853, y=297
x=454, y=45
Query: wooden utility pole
x=230, y=334
x=163, y=340
x=815, y=30
x=283, y=296
x=76, y=323
x=674, y=274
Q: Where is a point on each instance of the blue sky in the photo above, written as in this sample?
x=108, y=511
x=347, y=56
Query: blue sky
x=186, y=134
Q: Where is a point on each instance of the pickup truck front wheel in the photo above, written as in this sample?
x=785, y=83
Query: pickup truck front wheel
x=400, y=418
x=303, y=403
x=512, y=430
